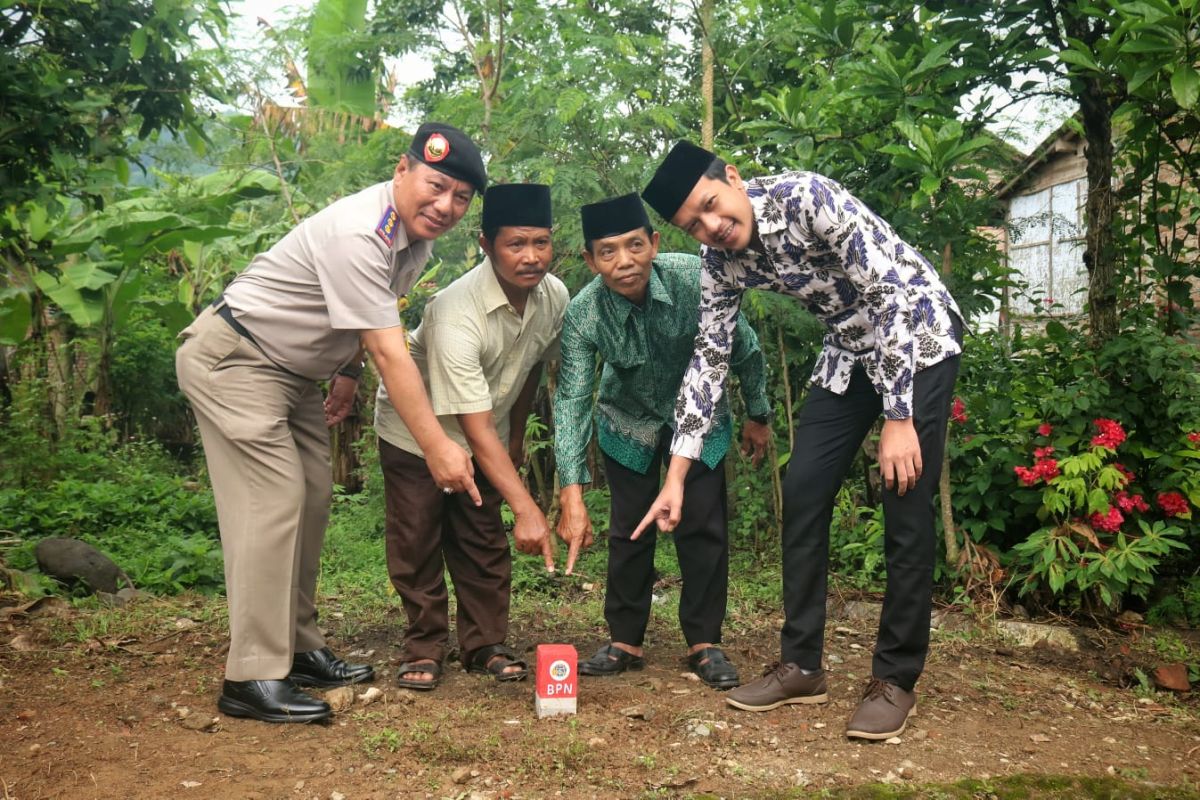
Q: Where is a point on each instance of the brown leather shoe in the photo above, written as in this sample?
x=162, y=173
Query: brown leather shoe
x=883, y=711
x=779, y=685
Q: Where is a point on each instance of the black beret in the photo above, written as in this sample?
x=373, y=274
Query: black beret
x=450, y=151
x=516, y=205
x=675, y=178
x=613, y=216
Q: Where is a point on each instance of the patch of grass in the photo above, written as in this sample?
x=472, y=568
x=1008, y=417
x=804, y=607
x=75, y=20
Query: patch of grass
x=353, y=563
x=1011, y=787
x=551, y=756
x=386, y=739
x=142, y=619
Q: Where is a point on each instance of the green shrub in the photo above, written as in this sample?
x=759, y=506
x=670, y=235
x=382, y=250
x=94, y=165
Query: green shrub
x=128, y=499
x=1052, y=389
x=856, y=543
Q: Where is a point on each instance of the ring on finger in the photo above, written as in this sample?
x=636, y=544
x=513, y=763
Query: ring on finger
x=447, y=490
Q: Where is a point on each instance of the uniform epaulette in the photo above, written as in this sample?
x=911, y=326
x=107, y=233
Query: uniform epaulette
x=387, y=225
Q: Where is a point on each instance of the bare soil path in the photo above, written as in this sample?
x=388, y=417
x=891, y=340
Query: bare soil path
x=88, y=711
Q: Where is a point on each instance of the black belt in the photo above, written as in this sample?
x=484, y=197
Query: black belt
x=226, y=313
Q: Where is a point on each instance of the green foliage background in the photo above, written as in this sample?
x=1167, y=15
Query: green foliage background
x=131, y=196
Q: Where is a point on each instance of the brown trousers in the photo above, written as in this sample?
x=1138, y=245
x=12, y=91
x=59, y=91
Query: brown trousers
x=267, y=449
x=429, y=532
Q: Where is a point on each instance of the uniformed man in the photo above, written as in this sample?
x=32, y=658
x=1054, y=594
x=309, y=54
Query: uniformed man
x=892, y=348
x=479, y=348
x=639, y=316
x=250, y=365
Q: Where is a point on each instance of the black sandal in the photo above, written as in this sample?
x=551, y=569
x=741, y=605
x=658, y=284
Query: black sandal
x=494, y=660
x=610, y=660
x=714, y=668
x=432, y=668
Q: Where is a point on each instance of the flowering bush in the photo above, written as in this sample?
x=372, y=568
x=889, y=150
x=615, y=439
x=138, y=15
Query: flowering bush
x=1048, y=389
x=1097, y=539
x=958, y=411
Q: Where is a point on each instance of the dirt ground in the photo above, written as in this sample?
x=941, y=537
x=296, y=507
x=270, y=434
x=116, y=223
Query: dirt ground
x=90, y=710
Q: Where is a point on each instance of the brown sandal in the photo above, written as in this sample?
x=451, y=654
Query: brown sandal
x=431, y=668
x=494, y=660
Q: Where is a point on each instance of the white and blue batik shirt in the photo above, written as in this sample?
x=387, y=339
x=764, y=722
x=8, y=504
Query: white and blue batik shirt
x=883, y=304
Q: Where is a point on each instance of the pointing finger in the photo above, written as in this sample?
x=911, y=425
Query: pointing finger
x=471, y=489
x=573, y=552
x=645, y=523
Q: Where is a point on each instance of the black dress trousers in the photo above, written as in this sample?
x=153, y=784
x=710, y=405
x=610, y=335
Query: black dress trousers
x=829, y=430
x=701, y=543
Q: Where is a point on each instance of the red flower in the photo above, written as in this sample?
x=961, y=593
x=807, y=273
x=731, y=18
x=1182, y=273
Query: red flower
x=1046, y=469
x=1173, y=504
x=1045, y=429
x=958, y=411
x=1043, y=452
x=1124, y=470
x=1109, y=522
x=1027, y=476
x=1128, y=503
x=1111, y=434
x=1194, y=438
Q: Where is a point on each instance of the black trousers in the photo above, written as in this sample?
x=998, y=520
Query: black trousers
x=701, y=542
x=828, y=434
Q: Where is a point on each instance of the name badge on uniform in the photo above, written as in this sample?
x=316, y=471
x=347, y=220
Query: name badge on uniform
x=387, y=225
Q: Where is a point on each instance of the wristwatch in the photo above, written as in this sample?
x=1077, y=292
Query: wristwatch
x=761, y=419
x=352, y=370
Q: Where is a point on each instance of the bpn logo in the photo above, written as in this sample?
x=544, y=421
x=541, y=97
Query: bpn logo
x=560, y=670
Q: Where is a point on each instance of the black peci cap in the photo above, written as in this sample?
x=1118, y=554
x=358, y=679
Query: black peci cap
x=450, y=151
x=613, y=216
x=516, y=205
x=675, y=178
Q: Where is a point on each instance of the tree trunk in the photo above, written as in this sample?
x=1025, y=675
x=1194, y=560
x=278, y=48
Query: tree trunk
x=706, y=72
x=949, y=529
x=343, y=457
x=341, y=447
x=1099, y=252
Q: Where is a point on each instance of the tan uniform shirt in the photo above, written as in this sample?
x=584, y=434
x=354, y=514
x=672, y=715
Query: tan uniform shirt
x=475, y=352
x=335, y=274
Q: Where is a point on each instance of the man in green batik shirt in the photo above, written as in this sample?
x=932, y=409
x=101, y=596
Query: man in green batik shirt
x=640, y=316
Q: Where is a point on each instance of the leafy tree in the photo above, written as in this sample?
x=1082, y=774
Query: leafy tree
x=81, y=82
x=77, y=76
x=581, y=95
x=341, y=71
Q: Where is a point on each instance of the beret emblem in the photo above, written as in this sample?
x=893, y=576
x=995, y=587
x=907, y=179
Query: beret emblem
x=437, y=147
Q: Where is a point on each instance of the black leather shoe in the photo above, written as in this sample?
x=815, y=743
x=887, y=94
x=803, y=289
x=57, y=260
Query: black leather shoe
x=323, y=668
x=271, y=701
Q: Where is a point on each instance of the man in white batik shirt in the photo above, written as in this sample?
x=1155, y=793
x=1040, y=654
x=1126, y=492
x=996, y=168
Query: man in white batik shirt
x=894, y=336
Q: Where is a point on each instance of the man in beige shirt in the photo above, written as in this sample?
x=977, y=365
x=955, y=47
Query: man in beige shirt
x=250, y=366
x=479, y=348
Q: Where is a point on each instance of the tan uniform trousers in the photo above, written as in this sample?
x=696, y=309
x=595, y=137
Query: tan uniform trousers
x=267, y=449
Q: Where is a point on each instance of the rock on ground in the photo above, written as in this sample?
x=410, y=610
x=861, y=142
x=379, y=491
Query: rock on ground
x=72, y=561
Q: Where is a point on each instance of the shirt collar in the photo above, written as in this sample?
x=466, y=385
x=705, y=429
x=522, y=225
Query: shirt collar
x=655, y=291
x=492, y=293
x=768, y=214
x=420, y=247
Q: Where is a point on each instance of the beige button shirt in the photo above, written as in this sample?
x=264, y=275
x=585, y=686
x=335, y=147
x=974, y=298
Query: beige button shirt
x=475, y=352
x=335, y=274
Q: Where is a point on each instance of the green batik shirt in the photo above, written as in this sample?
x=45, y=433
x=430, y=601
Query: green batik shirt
x=645, y=350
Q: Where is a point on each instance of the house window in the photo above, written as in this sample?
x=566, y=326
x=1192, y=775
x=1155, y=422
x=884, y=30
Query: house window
x=1046, y=230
